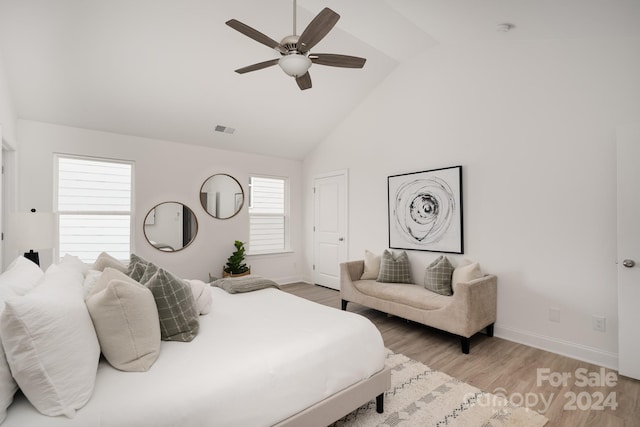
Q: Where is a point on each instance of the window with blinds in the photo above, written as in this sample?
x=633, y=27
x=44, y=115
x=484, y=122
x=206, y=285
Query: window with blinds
x=268, y=215
x=94, y=207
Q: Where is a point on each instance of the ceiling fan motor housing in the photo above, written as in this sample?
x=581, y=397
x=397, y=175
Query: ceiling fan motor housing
x=290, y=43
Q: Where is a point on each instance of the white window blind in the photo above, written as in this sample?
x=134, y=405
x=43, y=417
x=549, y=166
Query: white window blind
x=268, y=210
x=94, y=207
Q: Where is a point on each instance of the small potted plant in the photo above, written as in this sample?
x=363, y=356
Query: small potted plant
x=235, y=263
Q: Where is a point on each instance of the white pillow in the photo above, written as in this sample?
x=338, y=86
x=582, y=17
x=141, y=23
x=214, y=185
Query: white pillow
x=90, y=281
x=21, y=275
x=74, y=263
x=371, y=266
x=8, y=386
x=466, y=272
x=50, y=343
x=202, y=295
x=126, y=321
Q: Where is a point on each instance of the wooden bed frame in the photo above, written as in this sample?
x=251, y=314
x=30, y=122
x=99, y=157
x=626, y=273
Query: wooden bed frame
x=342, y=403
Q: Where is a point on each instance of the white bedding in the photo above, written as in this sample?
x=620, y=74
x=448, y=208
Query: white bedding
x=259, y=358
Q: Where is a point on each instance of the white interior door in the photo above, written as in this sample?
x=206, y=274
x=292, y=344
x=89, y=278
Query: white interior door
x=330, y=228
x=628, y=251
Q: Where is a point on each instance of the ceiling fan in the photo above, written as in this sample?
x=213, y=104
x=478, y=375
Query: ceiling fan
x=295, y=49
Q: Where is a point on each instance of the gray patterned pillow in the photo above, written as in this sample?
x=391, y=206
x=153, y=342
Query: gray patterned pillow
x=394, y=268
x=437, y=277
x=177, y=309
x=149, y=271
x=136, y=268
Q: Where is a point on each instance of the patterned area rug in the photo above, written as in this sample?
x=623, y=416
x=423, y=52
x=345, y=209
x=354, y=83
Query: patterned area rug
x=420, y=396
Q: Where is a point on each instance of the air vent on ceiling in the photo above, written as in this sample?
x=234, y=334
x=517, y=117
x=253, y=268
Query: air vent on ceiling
x=224, y=129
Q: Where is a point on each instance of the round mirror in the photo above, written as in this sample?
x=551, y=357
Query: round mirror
x=170, y=226
x=221, y=196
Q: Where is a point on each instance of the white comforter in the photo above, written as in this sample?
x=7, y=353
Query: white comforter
x=259, y=358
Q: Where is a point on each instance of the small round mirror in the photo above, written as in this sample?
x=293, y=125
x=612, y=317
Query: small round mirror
x=221, y=196
x=170, y=226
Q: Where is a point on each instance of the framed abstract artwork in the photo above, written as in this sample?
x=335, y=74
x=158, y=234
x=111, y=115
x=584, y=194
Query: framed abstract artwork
x=425, y=210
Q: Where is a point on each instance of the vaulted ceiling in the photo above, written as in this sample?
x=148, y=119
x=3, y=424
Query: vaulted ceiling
x=163, y=69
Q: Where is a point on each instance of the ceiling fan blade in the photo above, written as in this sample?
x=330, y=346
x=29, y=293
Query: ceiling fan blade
x=317, y=29
x=254, y=34
x=334, y=60
x=304, y=81
x=258, y=66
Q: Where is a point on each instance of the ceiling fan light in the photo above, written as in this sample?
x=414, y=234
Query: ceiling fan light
x=295, y=64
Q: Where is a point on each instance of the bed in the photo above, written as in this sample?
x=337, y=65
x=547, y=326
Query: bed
x=260, y=358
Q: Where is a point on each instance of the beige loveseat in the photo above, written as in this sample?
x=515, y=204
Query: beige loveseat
x=470, y=309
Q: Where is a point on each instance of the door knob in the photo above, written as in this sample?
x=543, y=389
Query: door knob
x=341, y=239
x=628, y=263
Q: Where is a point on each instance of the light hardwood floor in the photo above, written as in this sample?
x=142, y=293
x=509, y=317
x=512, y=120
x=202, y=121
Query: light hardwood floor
x=506, y=368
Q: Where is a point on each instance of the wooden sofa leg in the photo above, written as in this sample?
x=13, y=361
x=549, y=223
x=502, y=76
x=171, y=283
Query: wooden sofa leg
x=344, y=304
x=380, y=403
x=490, y=330
x=465, y=344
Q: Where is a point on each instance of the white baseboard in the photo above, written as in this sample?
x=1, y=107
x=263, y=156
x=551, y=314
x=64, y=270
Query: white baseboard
x=558, y=346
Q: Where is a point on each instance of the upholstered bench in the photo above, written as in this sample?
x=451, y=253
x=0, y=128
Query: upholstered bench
x=470, y=309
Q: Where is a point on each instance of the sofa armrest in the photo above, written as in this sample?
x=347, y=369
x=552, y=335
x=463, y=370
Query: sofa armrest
x=355, y=269
x=349, y=272
x=476, y=303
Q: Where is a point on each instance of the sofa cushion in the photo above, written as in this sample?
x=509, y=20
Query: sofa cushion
x=394, y=268
x=371, y=266
x=403, y=293
x=437, y=277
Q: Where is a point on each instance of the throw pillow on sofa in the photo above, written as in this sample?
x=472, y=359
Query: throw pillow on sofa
x=437, y=277
x=394, y=268
x=466, y=272
x=371, y=266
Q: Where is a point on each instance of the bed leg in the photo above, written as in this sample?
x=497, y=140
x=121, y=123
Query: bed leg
x=344, y=304
x=380, y=403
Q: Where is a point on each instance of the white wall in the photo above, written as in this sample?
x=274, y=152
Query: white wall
x=7, y=112
x=7, y=142
x=165, y=171
x=533, y=124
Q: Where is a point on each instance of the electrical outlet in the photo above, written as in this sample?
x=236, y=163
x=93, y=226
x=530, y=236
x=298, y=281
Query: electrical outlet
x=554, y=315
x=599, y=323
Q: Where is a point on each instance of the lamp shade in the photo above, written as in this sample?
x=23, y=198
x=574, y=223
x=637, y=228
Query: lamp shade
x=294, y=64
x=31, y=230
